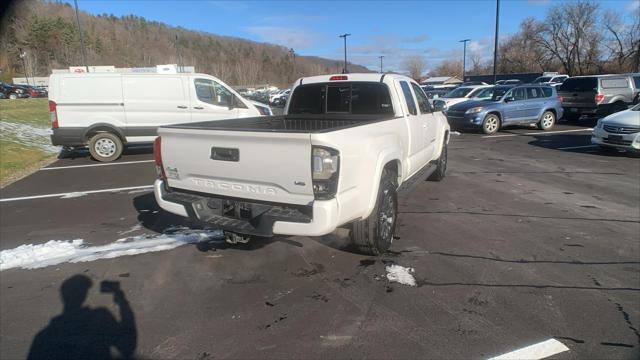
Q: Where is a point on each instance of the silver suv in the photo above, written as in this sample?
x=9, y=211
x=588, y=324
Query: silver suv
x=598, y=95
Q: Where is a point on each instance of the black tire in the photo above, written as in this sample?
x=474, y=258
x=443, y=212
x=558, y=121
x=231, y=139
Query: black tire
x=105, y=146
x=441, y=169
x=571, y=117
x=491, y=124
x=547, y=121
x=368, y=236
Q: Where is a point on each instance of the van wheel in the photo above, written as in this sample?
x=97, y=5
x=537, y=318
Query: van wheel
x=491, y=124
x=441, y=169
x=373, y=235
x=547, y=121
x=105, y=146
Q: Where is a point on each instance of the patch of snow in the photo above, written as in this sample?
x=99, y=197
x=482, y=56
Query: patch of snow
x=401, y=274
x=134, y=228
x=73, y=195
x=139, y=191
x=27, y=135
x=55, y=252
x=456, y=133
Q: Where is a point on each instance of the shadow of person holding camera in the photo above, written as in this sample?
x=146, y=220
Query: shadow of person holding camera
x=81, y=332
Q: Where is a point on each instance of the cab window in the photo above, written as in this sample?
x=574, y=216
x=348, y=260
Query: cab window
x=214, y=93
x=423, y=102
x=406, y=91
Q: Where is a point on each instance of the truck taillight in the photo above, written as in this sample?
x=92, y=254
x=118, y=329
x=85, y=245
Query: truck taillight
x=157, y=156
x=53, y=114
x=338, y=78
x=325, y=167
x=599, y=97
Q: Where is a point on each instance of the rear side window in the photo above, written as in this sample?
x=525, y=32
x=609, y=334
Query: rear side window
x=636, y=80
x=580, y=84
x=406, y=91
x=547, y=91
x=358, y=98
x=617, y=83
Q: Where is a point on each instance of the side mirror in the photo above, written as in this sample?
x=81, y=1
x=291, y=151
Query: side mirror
x=438, y=106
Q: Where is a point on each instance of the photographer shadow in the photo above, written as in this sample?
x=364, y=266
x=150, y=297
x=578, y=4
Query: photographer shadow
x=82, y=332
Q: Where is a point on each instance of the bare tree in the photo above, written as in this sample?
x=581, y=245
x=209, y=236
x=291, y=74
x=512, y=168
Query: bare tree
x=623, y=41
x=448, y=68
x=414, y=65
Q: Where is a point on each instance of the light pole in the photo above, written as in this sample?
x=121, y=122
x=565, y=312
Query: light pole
x=380, y=57
x=344, y=36
x=23, y=54
x=84, y=56
x=495, y=45
x=464, y=58
x=293, y=56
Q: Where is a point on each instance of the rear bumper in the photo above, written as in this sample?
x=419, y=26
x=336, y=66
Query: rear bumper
x=68, y=136
x=604, y=109
x=250, y=218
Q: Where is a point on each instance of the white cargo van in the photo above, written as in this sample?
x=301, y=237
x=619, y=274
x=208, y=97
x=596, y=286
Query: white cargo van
x=107, y=111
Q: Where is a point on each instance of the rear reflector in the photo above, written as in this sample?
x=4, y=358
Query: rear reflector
x=53, y=114
x=599, y=97
x=560, y=98
x=157, y=156
x=338, y=78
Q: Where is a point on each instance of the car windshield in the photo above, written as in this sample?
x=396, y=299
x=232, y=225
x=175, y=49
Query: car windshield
x=458, y=93
x=484, y=93
x=542, y=79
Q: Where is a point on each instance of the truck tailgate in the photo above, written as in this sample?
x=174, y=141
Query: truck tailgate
x=264, y=166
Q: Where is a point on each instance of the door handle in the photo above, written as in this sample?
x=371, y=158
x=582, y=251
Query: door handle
x=181, y=107
x=198, y=107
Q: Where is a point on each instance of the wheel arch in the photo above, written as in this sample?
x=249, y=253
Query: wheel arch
x=103, y=127
x=388, y=159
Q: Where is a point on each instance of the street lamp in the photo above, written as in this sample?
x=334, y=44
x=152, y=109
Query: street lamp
x=495, y=45
x=23, y=55
x=380, y=57
x=344, y=36
x=464, y=58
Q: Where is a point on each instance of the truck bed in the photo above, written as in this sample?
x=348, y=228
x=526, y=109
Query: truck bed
x=299, y=123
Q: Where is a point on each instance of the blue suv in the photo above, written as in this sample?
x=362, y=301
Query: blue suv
x=520, y=105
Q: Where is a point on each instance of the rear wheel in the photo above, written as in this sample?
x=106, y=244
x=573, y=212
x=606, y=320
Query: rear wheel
x=547, y=121
x=491, y=124
x=373, y=235
x=105, y=146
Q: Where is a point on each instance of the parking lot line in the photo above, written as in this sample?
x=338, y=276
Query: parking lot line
x=91, y=165
x=577, y=147
x=76, y=192
x=540, y=133
x=536, y=351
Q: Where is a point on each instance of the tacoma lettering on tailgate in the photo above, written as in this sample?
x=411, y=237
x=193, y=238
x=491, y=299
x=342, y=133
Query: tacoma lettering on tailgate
x=243, y=188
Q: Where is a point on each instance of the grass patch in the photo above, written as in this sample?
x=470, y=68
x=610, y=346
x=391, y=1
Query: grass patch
x=34, y=112
x=17, y=160
x=24, y=140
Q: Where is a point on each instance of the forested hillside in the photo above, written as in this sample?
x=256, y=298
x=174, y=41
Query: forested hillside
x=47, y=32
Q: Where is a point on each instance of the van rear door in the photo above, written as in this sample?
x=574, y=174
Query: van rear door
x=151, y=101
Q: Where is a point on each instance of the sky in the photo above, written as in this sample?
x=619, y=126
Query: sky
x=393, y=29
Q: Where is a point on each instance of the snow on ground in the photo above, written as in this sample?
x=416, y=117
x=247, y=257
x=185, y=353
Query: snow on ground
x=53, y=252
x=455, y=133
x=73, y=195
x=27, y=135
x=401, y=274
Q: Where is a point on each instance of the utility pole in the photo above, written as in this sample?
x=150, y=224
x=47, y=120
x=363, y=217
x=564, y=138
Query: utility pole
x=84, y=55
x=464, y=58
x=495, y=45
x=178, y=61
x=23, y=55
x=380, y=57
x=293, y=56
x=344, y=36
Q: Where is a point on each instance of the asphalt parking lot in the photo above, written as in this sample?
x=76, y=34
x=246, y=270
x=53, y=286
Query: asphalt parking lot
x=531, y=236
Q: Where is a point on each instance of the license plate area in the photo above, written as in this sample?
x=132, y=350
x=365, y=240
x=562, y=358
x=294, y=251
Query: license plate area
x=615, y=137
x=574, y=109
x=239, y=210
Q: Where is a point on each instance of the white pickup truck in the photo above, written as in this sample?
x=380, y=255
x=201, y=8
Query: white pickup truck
x=338, y=155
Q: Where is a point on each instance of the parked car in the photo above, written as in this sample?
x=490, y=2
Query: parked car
x=552, y=80
x=619, y=130
x=470, y=83
x=33, y=91
x=13, y=92
x=520, y=105
x=336, y=157
x=512, y=82
x=108, y=111
x=459, y=95
x=433, y=94
x=598, y=95
x=280, y=98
